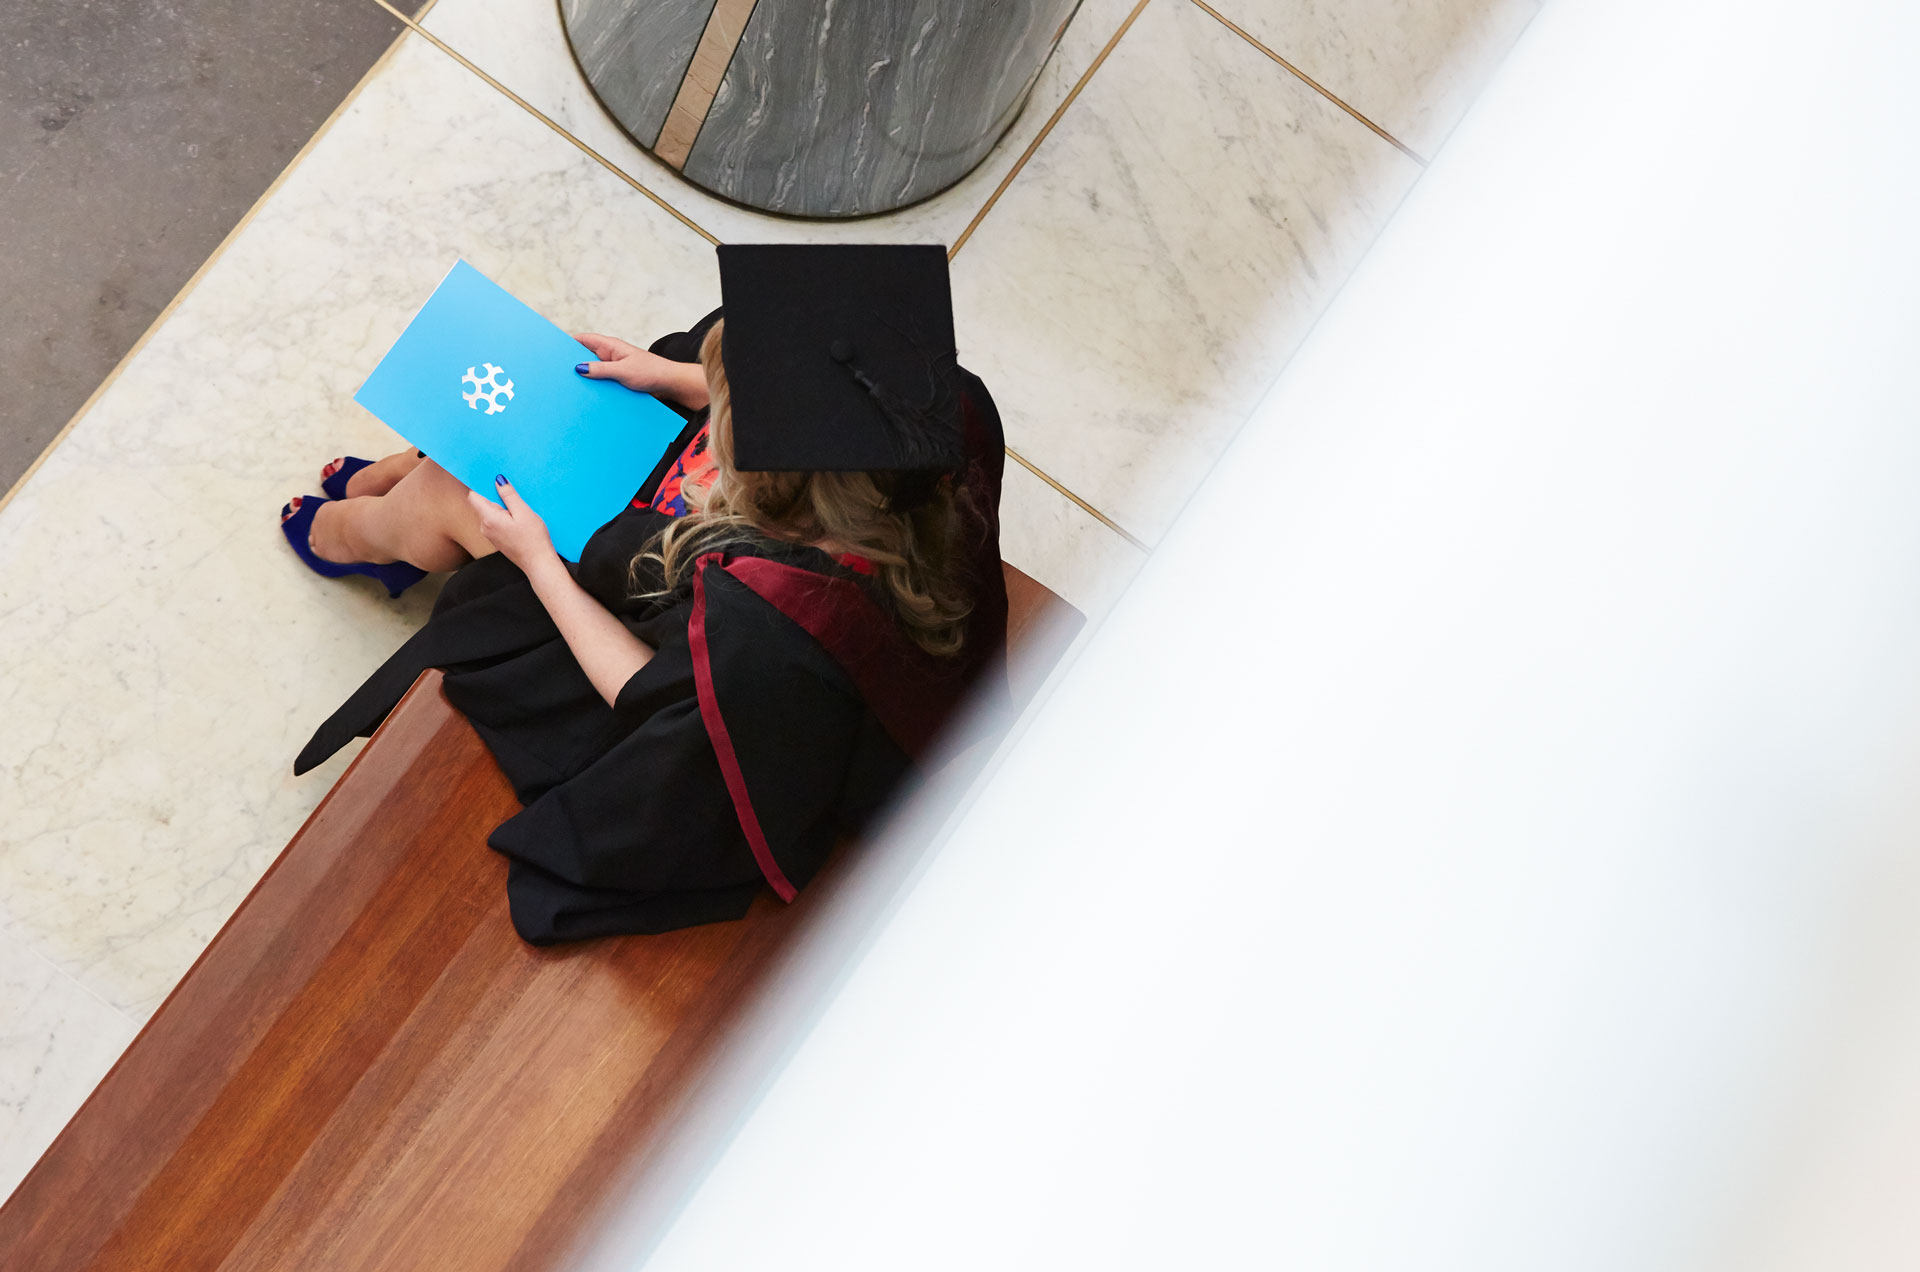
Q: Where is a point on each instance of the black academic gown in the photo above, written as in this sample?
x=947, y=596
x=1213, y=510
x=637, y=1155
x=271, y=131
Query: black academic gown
x=665, y=810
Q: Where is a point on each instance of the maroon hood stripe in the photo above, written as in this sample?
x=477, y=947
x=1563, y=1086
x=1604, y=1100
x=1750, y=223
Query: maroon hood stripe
x=908, y=690
x=723, y=744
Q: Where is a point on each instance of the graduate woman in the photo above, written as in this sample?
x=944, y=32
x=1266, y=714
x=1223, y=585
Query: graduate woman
x=747, y=660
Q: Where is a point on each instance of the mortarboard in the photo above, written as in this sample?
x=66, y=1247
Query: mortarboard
x=839, y=358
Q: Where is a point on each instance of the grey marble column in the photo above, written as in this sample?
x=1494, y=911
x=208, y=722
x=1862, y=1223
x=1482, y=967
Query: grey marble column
x=821, y=108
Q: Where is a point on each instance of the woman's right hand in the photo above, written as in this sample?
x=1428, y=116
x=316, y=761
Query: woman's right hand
x=684, y=382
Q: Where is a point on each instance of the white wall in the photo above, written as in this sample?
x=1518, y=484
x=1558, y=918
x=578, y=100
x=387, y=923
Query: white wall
x=1485, y=836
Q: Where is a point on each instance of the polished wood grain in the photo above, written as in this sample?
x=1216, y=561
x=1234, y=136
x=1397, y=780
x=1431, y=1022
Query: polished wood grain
x=367, y=1068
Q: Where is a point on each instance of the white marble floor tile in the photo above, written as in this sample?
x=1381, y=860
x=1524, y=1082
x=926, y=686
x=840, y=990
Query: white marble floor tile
x=521, y=43
x=164, y=654
x=1152, y=267
x=56, y=1042
x=1411, y=66
x=1045, y=534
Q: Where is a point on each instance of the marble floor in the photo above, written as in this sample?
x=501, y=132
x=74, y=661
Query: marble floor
x=89, y=115
x=1132, y=265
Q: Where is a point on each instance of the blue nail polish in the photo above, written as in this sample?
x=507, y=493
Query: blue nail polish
x=499, y=479
x=580, y=368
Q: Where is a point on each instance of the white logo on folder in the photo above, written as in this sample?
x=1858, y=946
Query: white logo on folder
x=491, y=389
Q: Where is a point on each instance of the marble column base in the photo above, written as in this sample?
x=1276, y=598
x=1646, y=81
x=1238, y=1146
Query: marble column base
x=822, y=108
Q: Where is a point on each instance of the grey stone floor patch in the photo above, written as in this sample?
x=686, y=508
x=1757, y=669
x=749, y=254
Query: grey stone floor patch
x=134, y=134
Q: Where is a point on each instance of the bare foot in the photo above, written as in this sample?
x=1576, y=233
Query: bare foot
x=324, y=535
x=382, y=474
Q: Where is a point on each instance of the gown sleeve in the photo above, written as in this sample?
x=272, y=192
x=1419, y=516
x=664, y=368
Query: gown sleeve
x=646, y=837
x=684, y=346
x=986, y=634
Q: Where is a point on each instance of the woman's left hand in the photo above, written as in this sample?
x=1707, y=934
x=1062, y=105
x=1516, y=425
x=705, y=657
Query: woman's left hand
x=516, y=530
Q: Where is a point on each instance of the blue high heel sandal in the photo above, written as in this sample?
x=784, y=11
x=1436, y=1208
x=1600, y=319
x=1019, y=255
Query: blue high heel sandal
x=335, y=484
x=297, y=525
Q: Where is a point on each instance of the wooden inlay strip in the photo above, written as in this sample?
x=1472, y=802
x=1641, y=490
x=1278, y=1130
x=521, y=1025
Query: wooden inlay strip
x=725, y=25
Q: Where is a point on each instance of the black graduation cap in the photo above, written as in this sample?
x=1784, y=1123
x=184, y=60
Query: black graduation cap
x=840, y=358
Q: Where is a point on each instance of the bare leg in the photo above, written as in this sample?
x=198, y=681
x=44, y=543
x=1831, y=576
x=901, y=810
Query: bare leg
x=383, y=475
x=424, y=520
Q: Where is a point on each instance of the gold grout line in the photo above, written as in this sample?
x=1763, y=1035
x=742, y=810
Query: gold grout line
x=1058, y=113
x=1022, y=460
x=1310, y=82
x=352, y=94
x=1045, y=129
x=23, y=941
x=531, y=109
x=219, y=250
x=1033, y=146
x=1083, y=505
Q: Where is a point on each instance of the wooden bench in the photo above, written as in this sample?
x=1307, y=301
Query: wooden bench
x=368, y=1068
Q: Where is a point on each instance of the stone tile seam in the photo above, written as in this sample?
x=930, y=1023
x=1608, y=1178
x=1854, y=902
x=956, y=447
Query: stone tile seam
x=1227, y=441
x=33, y=950
x=219, y=250
x=1385, y=221
x=1074, y=499
x=461, y=59
x=610, y=166
x=1046, y=129
x=1308, y=80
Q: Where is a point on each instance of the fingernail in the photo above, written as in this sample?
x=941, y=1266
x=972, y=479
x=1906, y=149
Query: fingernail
x=580, y=368
x=499, y=479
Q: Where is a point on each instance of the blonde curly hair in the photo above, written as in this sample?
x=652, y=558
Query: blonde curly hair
x=917, y=555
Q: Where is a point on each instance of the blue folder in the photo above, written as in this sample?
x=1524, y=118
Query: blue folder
x=485, y=385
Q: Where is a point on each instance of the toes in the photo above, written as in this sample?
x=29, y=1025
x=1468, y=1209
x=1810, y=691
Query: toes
x=324, y=552
x=333, y=466
x=289, y=508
